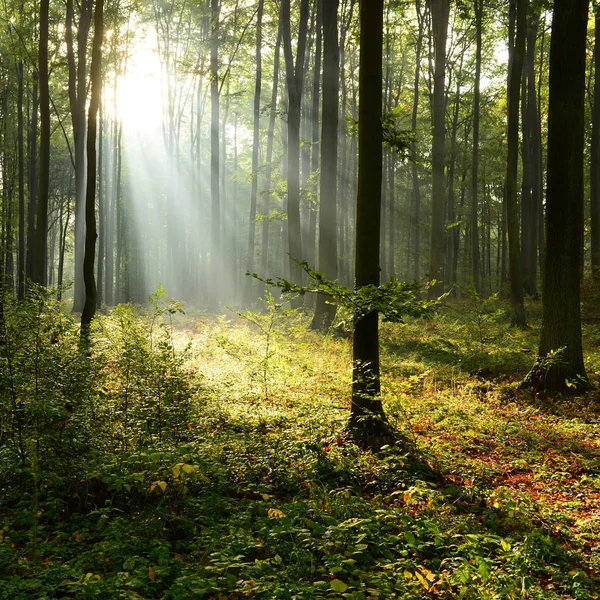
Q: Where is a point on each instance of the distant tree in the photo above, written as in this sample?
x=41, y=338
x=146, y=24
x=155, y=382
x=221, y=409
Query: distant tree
x=440, y=11
x=89, y=308
x=295, y=84
x=215, y=231
x=367, y=417
x=325, y=309
x=478, y=6
x=39, y=274
x=516, y=58
x=255, y=148
x=559, y=364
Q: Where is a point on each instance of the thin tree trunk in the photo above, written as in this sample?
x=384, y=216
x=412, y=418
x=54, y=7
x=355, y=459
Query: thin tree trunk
x=439, y=14
x=478, y=4
x=89, y=308
x=595, y=152
x=255, y=148
x=512, y=220
x=21, y=159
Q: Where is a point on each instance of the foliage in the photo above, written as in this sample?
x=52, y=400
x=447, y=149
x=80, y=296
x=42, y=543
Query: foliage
x=262, y=496
x=393, y=300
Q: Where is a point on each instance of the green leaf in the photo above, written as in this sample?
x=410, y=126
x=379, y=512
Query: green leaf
x=337, y=585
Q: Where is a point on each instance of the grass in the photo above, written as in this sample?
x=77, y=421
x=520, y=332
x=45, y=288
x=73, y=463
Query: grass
x=496, y=496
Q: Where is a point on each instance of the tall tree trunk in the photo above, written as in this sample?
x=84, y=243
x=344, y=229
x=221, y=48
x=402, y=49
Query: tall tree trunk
x=517, y=54
x=325, y=309
x=595, y=151
x=416, y=186
x=41, y=224
x=77, y=102
x=367, y=417
x=269, y=158
x=21, y=158
x=215, y=231
x=89, y=308
x=560, y=355
x=478, y=4
x=101, y=207
x=536, y=154
x=439, y=13
x=255, y=148
x=295, y=80
x=33, y=179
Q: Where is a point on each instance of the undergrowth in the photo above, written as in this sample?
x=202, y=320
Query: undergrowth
x=202, y=457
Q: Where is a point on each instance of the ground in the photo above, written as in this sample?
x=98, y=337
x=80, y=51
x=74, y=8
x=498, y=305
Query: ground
x=494, y=494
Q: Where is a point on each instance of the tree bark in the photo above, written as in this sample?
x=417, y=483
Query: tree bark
x=439, y=13
x=517, y=54
x=367, y=417
x=325, y=309
x=41, y=225
x=295, y=79
x=255, y=148
x=478, y=5
x=595, y=152
x=89, y=308
x=559, y=365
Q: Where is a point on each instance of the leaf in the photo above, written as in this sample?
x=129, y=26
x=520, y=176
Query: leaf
x=176, y=470
x=422, y=580
x=337, y=585
x=189, y=469
x=275, y=513
x=151, y=574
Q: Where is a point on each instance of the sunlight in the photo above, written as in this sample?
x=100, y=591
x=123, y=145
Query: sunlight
x=139, y=99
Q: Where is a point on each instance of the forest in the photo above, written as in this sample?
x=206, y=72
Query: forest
x=300, y=299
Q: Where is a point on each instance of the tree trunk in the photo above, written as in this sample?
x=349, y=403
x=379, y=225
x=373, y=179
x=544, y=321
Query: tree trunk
x=595, y=152
x=255, y=147
x=269, y=158
x=559, y=365
x=41, y=223
x=367, y=418
x=295, y=79
x=416, y=186
x=439, y=14
x=215, y=231
x=21, y=158
x=89, y=308
x=325, y=309
x=516, y=59
x=478, y=4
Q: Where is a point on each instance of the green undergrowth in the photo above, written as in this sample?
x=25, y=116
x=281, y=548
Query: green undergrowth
x=201, y=457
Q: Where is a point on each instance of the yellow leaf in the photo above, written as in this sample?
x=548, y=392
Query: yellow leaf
x=275, y=513
x=151, y=574
x=428, y=574
x=160, y=484
x=266, y=497
x=189, y=469
x=422, y=580
x=176, y=470
x=406, y=497
x=408, y=575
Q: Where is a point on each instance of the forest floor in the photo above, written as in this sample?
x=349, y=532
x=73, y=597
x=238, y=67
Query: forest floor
x=494, y=493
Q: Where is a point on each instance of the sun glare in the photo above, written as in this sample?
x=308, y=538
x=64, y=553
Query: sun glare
x=139, y=102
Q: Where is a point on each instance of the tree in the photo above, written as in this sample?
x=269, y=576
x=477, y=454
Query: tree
x=89, y=308
x=439, y=14
x=255, y=148
x=215, y=231
x=478, y=5
x=559, y=364
x=39, y=274
x=517, y=55
x=367, y=417
x=325, y=309
x=295, y=82
x=595, y=151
